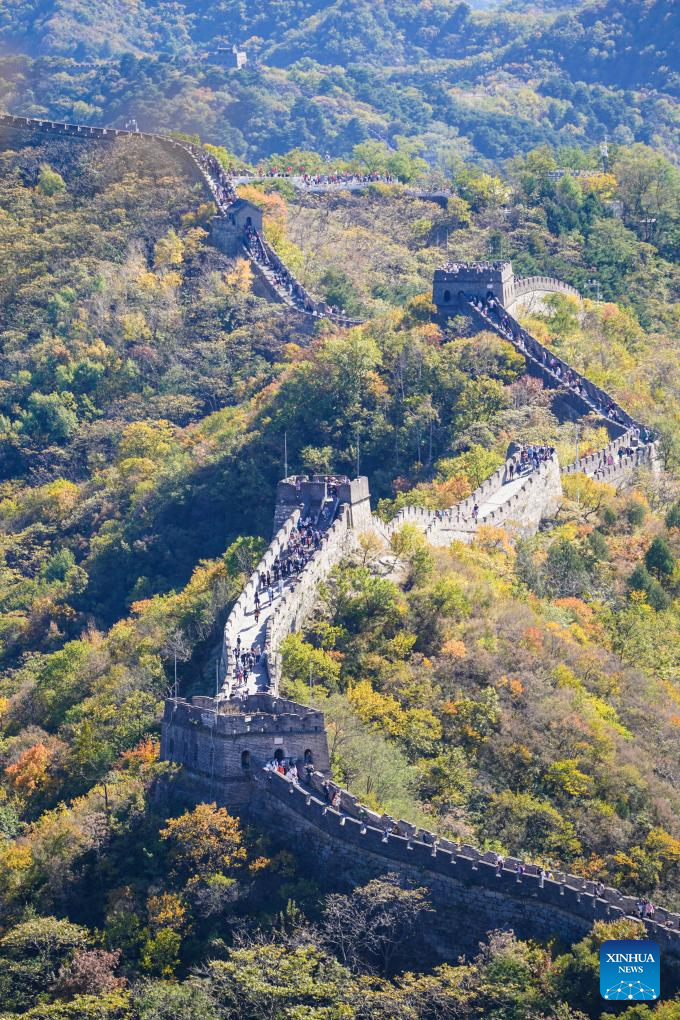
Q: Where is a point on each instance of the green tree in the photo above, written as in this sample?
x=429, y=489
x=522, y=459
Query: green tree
x=659, y=558
x=50, y=182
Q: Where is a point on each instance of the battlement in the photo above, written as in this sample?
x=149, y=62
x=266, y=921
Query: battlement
x=218, y=741
x=471, y=892
x=309, y=493
x=456, y=283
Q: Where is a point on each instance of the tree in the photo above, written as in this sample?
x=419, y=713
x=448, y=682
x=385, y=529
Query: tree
x=160, y=953
x=659, y=558
x=527, y=825
x=673, y=516
x=368, y=928
x=50, y=416
x=90, y=972
x=566, y=571
x=586, y=495
x=169, y=251
x=204, y=841
x=642, y=581
x=32, y=954
x=371, y=156
x=575, y=977
x=163, y=1000
x=50, y=182
x=178, y=648
x=271, y=980
x=306, y=666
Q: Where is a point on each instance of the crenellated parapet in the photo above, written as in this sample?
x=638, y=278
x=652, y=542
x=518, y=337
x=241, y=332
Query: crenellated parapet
x=457, y=282
x=220, y=743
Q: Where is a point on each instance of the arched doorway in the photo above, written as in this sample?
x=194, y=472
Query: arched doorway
x=447, y=296
x=278, y=754
x=308, y=757
x=245, y=759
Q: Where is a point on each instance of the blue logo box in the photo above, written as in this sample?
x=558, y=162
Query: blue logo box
x=630, y=969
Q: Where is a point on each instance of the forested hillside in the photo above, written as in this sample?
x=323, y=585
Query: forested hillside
x=456, y=80
x=520, y=693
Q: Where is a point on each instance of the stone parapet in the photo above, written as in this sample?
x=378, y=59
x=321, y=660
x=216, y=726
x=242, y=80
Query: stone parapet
x=460, y=877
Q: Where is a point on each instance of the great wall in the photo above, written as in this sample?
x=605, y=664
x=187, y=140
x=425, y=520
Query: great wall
x=221, y=744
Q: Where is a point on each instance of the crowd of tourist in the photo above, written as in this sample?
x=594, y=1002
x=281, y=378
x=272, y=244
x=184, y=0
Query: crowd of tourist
x=472, y=267
x=645, y=908
x=527, y=459
x=304, y=540
x=339, y=179
x=295, y=769
x=493, y=311
x=285, y=282
x=223, y=189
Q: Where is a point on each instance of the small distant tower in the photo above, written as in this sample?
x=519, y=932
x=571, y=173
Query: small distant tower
x=604, y=153
x=241, y=57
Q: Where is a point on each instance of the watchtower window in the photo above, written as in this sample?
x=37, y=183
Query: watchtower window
x=447, y=296
x=172, y=745
x=245, y=759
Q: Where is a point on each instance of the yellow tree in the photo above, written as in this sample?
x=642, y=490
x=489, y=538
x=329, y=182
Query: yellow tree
x=205, y=841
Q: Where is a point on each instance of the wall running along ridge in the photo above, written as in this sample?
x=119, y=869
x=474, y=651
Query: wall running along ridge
x=221, y=745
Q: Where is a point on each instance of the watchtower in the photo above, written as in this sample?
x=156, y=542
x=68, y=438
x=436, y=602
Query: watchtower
x=217, y=743
x=314, y=494
x=457, y=282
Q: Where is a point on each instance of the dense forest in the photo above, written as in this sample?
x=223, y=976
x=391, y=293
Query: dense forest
x=520, y=694
x=458, y=81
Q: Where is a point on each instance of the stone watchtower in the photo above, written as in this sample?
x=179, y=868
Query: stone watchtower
x=456, y=282
x=311, y=495
x=219, y=742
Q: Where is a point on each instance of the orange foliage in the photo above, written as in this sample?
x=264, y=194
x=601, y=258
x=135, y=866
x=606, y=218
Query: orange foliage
x=30, y=772
x=145, y=753
x=452, y=490
x=456, y=649
x=533, y=638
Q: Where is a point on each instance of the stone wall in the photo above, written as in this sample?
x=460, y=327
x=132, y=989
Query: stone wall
x=536, y=500
x=236, y=621
x=531, y=291
x=470, y=896
x=220, y=743
x=295, y=606
x=455, y=283
x=622, y=471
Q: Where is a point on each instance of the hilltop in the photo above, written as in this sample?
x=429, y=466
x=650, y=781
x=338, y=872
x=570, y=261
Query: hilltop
x=460, y=82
